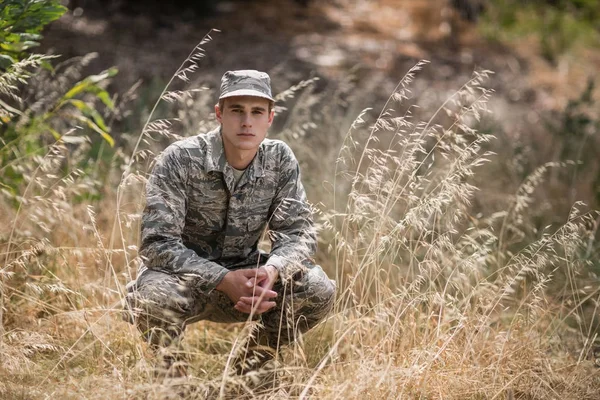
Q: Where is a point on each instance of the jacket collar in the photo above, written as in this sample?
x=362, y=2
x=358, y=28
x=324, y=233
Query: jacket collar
x=216, y=160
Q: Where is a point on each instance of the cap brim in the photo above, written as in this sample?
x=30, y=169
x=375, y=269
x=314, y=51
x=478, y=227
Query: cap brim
x=246, y=92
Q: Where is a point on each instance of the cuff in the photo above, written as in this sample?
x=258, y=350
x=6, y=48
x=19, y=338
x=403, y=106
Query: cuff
x=277, y=261
x=286, y=268
x=215, y=282
x=206, y=281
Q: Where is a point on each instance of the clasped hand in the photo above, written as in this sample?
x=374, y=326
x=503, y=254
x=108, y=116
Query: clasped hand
x=250, y=290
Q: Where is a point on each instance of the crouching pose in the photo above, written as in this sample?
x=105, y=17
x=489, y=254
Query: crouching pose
x=209, y=199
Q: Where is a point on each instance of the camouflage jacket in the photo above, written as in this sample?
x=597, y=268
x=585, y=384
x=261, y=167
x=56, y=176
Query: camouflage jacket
x=196, y=223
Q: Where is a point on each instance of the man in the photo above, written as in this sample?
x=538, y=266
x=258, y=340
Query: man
x=209, y=199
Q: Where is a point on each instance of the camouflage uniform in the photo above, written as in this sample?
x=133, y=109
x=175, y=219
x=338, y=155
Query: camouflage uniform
x=198, y=225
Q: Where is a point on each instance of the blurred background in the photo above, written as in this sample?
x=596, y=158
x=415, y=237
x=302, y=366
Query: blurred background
x=544, y=54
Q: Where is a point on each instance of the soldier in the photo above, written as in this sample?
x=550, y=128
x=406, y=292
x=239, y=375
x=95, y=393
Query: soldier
x=209, y=199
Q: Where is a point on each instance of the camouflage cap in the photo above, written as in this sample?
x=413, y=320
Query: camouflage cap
x=246, y=83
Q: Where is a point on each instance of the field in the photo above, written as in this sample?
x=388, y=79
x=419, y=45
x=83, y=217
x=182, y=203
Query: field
x=466, y=264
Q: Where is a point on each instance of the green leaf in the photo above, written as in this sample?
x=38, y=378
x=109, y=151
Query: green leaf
x=47, y=66
x=18, y=47
x=54, y=133
x=105, y=98
x=90, y=112
x=38, y=15
x=12, y=47
x=109, y=73
x=79, y=104
x=29, y=37
x=105, y=135
x=6, y=61
x=29, y=16
x=96, y=128
x=89, y=85
x=22, y=37
x=6, y=187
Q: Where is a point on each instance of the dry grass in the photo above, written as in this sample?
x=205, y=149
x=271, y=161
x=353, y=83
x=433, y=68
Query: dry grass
x=432, y=302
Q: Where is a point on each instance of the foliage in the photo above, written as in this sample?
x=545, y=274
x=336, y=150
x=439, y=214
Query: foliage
x=41, y=103
x=558, y=25
x=21, y=22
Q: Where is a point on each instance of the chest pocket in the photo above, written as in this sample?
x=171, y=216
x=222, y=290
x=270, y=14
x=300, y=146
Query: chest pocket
x=207, y=207
x=258, y=214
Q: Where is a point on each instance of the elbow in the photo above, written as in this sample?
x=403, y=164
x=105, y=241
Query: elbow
x=156, y=252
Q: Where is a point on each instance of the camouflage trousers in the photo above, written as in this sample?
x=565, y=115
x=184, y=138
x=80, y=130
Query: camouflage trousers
x=162, y=305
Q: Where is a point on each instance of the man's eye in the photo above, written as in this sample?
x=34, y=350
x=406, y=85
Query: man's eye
x=257, y=112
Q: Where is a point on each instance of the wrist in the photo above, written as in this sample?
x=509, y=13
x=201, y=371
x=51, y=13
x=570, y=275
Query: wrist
x=223, y=283
x=272, y=271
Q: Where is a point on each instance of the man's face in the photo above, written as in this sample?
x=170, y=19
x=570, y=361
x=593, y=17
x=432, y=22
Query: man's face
x=245, y=121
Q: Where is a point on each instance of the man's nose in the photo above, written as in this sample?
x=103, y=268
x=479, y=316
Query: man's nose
x=246, y=121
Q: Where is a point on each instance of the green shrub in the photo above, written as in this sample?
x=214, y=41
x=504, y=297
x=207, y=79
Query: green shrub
x=41, y=104
x=558, y=25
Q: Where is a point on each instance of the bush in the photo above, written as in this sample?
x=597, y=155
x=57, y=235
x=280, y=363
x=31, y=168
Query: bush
x=558, y=25
x=41, y=104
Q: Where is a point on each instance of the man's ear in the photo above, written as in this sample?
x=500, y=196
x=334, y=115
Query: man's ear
x=218, y=113
x=271, y=117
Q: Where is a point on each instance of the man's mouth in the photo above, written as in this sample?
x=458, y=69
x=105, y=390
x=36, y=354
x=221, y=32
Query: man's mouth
x=246, y=134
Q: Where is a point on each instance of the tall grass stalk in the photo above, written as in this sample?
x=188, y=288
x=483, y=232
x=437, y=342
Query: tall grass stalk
x=433, y=302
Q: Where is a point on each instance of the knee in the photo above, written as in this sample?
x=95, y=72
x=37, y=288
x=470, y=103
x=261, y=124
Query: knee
x=318, y=278
x=161, y=299
x=319, y=291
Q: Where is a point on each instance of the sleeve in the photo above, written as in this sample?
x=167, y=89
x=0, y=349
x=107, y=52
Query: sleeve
x=291, y=228
x=163, y=221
